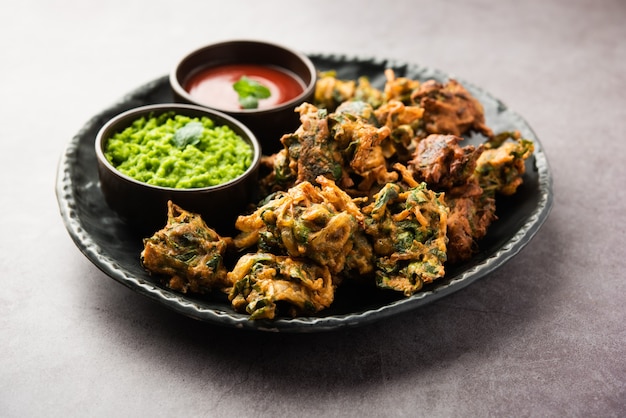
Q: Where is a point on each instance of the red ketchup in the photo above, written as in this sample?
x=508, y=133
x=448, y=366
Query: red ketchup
x=214, y=86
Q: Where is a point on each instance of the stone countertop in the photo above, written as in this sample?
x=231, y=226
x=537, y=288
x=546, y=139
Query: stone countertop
x=541, y=336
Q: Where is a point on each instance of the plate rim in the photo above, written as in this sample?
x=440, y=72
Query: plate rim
x=98, y=256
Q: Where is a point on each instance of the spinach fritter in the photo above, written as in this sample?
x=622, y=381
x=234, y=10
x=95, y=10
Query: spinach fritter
x=186, y=253
x=376, y=186
x=262, y=281
x=408, y=229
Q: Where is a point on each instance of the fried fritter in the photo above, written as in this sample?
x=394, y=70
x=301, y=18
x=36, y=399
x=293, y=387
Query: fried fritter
x=408, y=231
x=405, y=125
x=399, y=88
x=186, y=253
x=343, y=123
x=500, y=169
x=320, y=224
x=308, y=153
x=471, y=213
x=450, y=109
x=361, y=142
x=442, y=163
x=262, y=281
x=447, y=167
x=312, y=153
x=330, y=92
x=367, y=93
x=345, y=146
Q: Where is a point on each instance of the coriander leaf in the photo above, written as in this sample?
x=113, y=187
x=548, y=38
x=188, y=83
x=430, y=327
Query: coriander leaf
x=249, y=102
x=250, y=91
x=189, y=134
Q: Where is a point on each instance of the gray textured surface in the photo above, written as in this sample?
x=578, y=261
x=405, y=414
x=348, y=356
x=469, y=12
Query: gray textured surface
x=542, y=336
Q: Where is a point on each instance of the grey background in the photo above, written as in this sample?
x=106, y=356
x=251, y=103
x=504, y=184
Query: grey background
x=542, y=336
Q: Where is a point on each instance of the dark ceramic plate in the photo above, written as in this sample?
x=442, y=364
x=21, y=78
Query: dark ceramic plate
x=106, y=241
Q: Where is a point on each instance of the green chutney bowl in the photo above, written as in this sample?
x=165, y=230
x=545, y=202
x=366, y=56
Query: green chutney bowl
x=143, y=206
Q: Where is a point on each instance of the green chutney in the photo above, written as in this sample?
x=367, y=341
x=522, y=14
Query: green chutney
x=177, y=151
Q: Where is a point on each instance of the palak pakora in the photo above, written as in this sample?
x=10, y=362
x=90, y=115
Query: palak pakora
x=408, y=229
x=262, y=281
x=186, y=253
x=375, y=186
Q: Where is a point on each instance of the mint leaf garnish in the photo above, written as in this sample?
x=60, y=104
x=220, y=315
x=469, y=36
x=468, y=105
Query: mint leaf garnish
x=250, y=91
x=189, y=134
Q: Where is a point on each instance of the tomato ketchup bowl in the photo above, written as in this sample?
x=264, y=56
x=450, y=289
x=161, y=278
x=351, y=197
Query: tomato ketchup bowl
x=202, y=160
x=258, y=83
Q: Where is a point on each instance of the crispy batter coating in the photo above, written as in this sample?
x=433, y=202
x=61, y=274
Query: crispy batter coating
x=312, y=154
x=262, y=281
x=405, y=124
x=442, y=163
x=399, y=88
x=345, y=146
x=308, y=153
x=186, y=253
x=450, y=109
x=408, y=229
x=365, y=92
x=317, y=223
x=500, y=169
x=447, y=167
x=361, y=143
x=471, y=213
x=330, y=92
